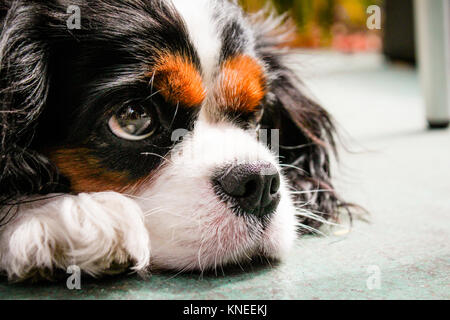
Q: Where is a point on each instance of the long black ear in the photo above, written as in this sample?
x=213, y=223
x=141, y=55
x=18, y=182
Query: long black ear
x=24, y=86
x=307, y=132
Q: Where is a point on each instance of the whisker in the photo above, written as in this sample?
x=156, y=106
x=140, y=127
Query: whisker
x=136, y=197
x=268, y=261
x=304, y=204
x=153, y=211
x=155, y=154
x=152, y=80
x=312, y=191
x=153, y=94
x=284, y=166
x=311, y=229
x=175, y=115
x=199, y=255
x=316, y=218
x=177, y=274
x=292, y=167
x=296, y=147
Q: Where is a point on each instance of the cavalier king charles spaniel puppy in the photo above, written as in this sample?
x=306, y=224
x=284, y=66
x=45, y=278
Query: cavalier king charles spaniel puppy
x=134, y=141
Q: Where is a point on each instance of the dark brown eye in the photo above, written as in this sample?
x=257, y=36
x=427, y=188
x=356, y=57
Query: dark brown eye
x=132, y=122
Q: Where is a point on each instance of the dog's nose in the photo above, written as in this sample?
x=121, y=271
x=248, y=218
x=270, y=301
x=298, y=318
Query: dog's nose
x=254, y=186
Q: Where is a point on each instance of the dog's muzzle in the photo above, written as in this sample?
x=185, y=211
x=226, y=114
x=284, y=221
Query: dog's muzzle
x=253, y=187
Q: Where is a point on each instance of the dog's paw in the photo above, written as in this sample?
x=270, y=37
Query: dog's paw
x=96, y=232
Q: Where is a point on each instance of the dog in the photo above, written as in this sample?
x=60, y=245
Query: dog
x=134, y=142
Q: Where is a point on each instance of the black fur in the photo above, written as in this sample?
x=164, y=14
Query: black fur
x=38, y=52
x=24, y=86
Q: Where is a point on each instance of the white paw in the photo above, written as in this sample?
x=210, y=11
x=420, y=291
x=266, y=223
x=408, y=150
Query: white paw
x=96, y=232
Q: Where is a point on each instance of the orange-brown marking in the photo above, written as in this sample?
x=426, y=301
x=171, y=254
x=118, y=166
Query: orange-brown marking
x=85, y=172
x=178, y=80
x=242, y=84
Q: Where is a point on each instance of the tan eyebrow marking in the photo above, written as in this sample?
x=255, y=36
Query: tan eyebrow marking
x=242, y=84
x=178, y=80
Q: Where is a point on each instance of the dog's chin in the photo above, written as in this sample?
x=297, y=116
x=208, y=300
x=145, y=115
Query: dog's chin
x=217, y=236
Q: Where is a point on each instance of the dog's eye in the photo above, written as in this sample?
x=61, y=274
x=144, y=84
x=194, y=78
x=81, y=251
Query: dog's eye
x=132, y=123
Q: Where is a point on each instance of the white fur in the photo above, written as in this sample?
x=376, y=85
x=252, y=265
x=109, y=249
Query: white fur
x=205, y=20
x=92, y=231
x=203, y=30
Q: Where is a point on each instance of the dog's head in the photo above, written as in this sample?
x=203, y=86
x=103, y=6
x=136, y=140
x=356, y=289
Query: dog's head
x=169, y=103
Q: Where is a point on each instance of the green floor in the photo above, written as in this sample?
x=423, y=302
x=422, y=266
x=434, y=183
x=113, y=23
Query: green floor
x=399, y=171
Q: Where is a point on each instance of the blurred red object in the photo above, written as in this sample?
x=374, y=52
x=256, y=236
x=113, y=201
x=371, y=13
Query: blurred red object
x=356, y=42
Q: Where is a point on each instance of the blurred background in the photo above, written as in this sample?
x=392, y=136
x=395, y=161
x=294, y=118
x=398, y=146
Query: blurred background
x=337, y=24
x=340, y=25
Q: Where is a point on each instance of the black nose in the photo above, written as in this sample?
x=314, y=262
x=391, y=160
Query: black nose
x=253, y=186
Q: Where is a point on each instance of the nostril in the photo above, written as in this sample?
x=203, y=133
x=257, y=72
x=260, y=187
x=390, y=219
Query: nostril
x=275, y=185
x=251, y=187
x=270, y=192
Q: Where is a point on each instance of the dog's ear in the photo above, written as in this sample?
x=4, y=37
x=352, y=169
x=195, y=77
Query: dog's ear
x=306, y=130
x=24, y=82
